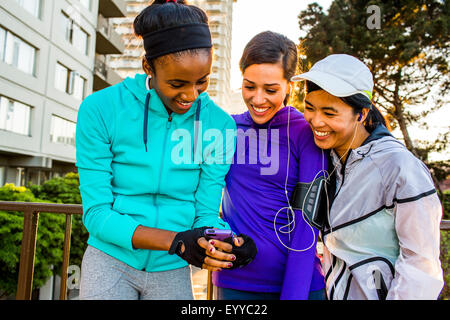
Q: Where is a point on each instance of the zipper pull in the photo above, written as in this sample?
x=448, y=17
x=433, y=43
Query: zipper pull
x=169, y=122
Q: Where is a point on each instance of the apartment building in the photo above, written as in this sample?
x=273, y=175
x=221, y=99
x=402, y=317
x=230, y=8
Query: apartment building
x=52, y=55
x=220, y=13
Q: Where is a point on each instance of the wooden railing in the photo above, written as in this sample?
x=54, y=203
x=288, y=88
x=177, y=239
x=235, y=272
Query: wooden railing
x=28, y=248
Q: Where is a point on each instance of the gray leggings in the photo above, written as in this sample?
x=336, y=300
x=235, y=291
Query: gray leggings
x=106, y=278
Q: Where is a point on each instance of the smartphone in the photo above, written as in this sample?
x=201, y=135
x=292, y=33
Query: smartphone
x=219, y=234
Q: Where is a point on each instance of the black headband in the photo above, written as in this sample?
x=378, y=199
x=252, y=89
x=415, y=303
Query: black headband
x=175, y=39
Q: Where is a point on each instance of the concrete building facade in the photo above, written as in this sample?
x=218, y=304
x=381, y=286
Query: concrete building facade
x=52, y=55
x=220, y=13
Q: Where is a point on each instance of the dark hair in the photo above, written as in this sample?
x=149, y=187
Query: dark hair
x=358, y=102
x=271, y=47
x=162, y=14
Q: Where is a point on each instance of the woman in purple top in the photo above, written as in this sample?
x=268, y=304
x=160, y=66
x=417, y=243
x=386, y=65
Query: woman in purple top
x=275, y=150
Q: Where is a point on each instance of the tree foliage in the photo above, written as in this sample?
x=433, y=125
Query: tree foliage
x=408, y=55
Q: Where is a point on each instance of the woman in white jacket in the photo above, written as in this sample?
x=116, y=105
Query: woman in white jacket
x=381, y=233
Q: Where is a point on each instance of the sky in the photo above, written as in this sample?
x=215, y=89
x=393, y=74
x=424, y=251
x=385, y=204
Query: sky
x=251, y=17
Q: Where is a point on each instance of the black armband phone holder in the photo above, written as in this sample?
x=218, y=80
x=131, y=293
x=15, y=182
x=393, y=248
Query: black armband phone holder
x=312, y=200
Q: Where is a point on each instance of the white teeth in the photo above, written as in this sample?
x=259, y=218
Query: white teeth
x=259, y=109
x=321, y=134
x=185, y=103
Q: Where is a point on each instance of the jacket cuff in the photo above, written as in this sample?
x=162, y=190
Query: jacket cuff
x=119, y=229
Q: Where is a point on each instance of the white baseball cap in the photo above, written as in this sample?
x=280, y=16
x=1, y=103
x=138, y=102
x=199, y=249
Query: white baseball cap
x=341, y=75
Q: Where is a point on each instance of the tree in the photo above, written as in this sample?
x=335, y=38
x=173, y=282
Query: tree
x=408, y=54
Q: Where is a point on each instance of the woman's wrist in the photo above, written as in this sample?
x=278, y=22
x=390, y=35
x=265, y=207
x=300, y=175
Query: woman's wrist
x=152, y=238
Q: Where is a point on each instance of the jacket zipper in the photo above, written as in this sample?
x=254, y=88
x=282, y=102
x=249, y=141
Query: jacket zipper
x=335, y=282
x=343, y=173
x=168, y=124
x=340, y=187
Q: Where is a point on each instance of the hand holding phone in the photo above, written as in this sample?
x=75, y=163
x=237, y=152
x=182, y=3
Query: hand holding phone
x=244, y=253
x=218, y=234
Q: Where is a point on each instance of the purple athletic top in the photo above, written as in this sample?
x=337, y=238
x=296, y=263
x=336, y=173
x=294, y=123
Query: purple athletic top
x=255, y=191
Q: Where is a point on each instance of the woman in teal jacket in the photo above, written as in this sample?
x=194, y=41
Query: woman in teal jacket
x=149, y=183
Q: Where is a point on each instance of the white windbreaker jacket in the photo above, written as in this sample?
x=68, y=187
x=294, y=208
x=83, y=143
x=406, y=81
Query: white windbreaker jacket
x=382, y=238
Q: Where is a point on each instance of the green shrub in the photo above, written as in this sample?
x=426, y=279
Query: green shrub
x=66, y=190
x=59, y=190
x=445, y=261
x=49, y=242
x=50, y=236
x=446, y=205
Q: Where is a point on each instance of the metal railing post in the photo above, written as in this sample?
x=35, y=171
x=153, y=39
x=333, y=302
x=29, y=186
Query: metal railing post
x=66, y=255
x=210, y=287
x=27, y=254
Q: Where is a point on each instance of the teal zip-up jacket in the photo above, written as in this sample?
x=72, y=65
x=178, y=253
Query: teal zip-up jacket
x=136, y=168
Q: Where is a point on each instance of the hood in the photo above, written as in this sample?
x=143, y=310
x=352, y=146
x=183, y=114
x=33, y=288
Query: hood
x=280, y=119
x=139, y=90
x=379, y=132
x=152, y=104
x=379, y=141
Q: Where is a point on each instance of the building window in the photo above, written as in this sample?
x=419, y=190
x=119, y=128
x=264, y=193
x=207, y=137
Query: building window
x=62, y=131
x=16, y=52
x=62, y=78
x=74, y=34
x=2, y=175
x=69, y=81
x=66, y=26
x=32, y=6
x=86, y=4
x=80, y=39
x=14, y=116
x=78, y=85
x=2, y=43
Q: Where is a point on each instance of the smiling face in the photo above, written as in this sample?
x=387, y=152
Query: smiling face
x=264, y=89
x=334, y=123
x=178, y=81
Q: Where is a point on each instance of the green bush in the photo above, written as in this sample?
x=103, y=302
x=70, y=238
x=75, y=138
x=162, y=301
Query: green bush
x=445, y=261
x=50, y=237
x=445, y=247
x=59, y=190
x=66, y=190
x=49, y=242
x=446, y=205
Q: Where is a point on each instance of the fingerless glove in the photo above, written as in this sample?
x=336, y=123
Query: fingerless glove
x=245, y=253
x=193, y=253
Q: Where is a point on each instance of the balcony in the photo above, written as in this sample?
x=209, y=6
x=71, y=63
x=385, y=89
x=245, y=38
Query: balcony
x=108, y=41
x=112, y=8
x=104, y=76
